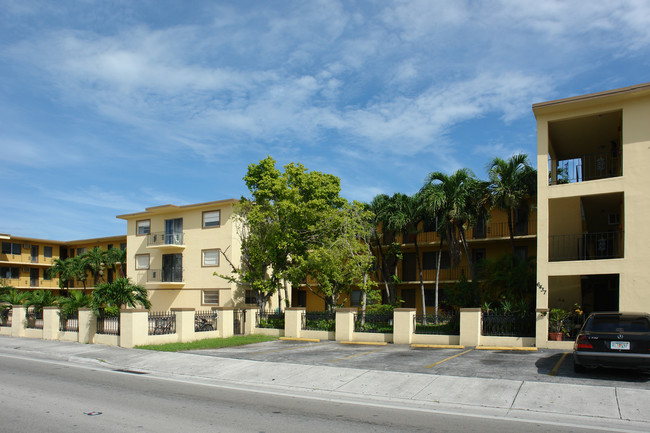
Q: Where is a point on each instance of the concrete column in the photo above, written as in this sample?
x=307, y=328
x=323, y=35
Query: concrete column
x=344, y=323
x=51, y=321
x=470, y=326
x=293, y=321
x=184, y=324
x=225, y=321
x=134, y=327
x=87, y=325
x=251, y=320
x=18, y=320
x=541, y=327
x=403, y=327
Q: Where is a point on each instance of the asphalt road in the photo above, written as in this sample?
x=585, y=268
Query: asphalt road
x=539, y=366
x=55, y=396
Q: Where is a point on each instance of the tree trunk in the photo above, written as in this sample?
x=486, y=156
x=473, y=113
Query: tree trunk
x=382, y=268
x=511, y=231
x=286, y=295
x=466, y=248
x=437, y=280
x=364, y=299
x=419, y=262
x=279, y=301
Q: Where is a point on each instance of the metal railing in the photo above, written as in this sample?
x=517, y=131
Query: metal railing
x=165, y=275
x=449, y=274
x=319, y=320
x=585, y=167
x=270, y=320
x=108, y=325
x=508, y=325
x=205, y=320
x=442, y=324
x=71, y=324
x=34, y=318
x=162, y=238
x=585, y=246
x=162, y=323
x=374, y=322
x=6, y=317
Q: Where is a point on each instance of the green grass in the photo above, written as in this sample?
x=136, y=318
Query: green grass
x=210, y=343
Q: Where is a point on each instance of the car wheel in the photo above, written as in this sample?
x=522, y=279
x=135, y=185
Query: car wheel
x=579, y=368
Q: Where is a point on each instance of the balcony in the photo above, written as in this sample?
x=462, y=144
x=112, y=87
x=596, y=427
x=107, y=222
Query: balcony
x=429, y=275
x=166, y=277
x=585, y=167
x=493, y=230
x=586, y=246
x=166, y=242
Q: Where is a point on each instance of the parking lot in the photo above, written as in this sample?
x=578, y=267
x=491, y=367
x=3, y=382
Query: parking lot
x=541, y=365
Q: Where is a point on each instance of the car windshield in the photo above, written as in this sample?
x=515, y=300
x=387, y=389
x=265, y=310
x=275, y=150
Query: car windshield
x=617, y=324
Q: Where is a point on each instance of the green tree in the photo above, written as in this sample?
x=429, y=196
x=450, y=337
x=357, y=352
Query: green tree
x=38, y=299
x=61, y=269
x=69, y=305
x=388, y=260
x=118, y=294
x=94, y=261
x=512, y=182
x=114, y=257
x=9, y=298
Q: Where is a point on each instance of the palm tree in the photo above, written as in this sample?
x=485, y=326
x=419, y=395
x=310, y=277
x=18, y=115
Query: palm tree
x=61, y=269
x=68, y=306
x=118, y=294
x=512, y=182
x=39, y=299
x=10, y=298
x=94, y=261
x=114, y=257
x=388, y=261
x=77, y=270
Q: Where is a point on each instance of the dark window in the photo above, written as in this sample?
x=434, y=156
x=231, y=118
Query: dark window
x=617, y=324
x=430, y=297
x=302, y=298
x=6, y=248
x=110, y=246
x=251, y=297
x=429, y=260
x=431, y=225
x=9, y=272
x=46, y=274
x=409, y=267
x=11, y=248
x=123, y=246
x=521, y=252
x=445, y=260
x=172, y=269
x=47, y=251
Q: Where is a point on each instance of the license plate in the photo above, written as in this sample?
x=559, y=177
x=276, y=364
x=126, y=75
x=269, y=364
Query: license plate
x=620, y=345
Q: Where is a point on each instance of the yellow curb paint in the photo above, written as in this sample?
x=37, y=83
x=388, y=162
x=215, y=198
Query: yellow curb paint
x=353, y=356
x=519, y=349
x=447, y=359
x=308, y=340
x=367, y=343
x=436, y=346
x=558, y=364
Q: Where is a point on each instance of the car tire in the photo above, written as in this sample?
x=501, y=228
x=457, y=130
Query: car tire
x=579, y=368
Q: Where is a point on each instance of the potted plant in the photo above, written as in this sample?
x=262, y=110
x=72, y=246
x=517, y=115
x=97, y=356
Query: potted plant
x=559, y=320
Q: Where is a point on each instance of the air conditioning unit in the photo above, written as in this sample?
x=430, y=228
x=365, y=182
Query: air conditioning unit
x=25, y=269
x=28, y=246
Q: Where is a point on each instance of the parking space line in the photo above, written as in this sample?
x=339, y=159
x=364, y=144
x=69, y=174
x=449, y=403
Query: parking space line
x=447, y=359
x=558, y=364
x=286, y=348
x=353, y=356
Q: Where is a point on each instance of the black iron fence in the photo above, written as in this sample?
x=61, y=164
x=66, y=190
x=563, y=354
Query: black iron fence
x=319, y=321
x=270, y=320
x=441, y=324
x=70, y=324
x=205, y=320
x=374, y=322
x=34, y=318
x=162, y=323
x=586, y=246
x=585, y=167
x=6, y=317
x=508, y=325
x=108, y=325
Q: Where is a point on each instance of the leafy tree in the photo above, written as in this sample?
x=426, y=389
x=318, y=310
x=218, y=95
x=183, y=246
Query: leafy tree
x=62, y=270
x=512, y=182
x=118, y=294
x=69, y=305
x=93, y=261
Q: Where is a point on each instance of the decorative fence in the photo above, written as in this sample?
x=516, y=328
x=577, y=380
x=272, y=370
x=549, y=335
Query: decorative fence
x=205, y=320
x=319, y=321
x=508, y=325
x=108, y=325
x=70, y=324
x=374, y=322
x=34, y=318
x=162, y=323
x=6, y=317
x=442, y=324
x=270, y=320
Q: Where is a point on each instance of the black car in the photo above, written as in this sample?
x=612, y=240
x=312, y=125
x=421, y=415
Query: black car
x=616, y=340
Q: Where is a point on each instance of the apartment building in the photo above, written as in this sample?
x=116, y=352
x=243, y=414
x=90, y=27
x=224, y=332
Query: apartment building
x=593, y=153
x=175, y=251
x=24, y=261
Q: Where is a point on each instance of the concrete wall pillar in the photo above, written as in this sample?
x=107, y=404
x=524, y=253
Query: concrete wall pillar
x=293, y=321
x=225, y=321
x=184, y=324
x=51, y=321
x=470, y=326
x=87, y=325
x=18, y=320
x=403, y=327
x=345, y=323
x=251, y=320
x=541, y=327
x=134, y=327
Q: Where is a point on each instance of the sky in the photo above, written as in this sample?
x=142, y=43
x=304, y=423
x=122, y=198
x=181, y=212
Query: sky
x=109, y=107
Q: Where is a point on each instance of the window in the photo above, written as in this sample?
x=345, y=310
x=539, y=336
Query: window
x=521, y=252
x=355, y=299
x=429, y=260
x=46, y=274
x=110, y=247
x=142, y=227
x=211, y=297
x=210, y=257
x=211, y=219
x=251, y=297
x=81, y=251
x=11, y=248
x=47, y=252
x=172, y=268
x=123, y=246
x=142, y=261
x=9, y=273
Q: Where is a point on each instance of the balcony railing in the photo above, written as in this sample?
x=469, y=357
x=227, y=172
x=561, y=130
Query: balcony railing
x=586, y=246
x=162, y=238
x=486, y=231
x=165, y=275
x=586, y=167
x=449, y=274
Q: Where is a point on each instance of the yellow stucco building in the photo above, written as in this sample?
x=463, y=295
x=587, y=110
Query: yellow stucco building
x=592, y=157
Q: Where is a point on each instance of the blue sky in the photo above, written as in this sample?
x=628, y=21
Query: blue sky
x=108, y=107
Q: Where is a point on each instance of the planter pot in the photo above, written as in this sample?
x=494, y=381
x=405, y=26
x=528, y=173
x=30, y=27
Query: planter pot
x=555, y=336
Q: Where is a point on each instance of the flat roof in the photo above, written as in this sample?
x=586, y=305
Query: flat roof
x=77, y=242
x=607, y=93
x=173, y=208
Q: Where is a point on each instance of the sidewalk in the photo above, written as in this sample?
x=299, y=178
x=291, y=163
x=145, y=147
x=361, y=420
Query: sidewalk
x=601, y=407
